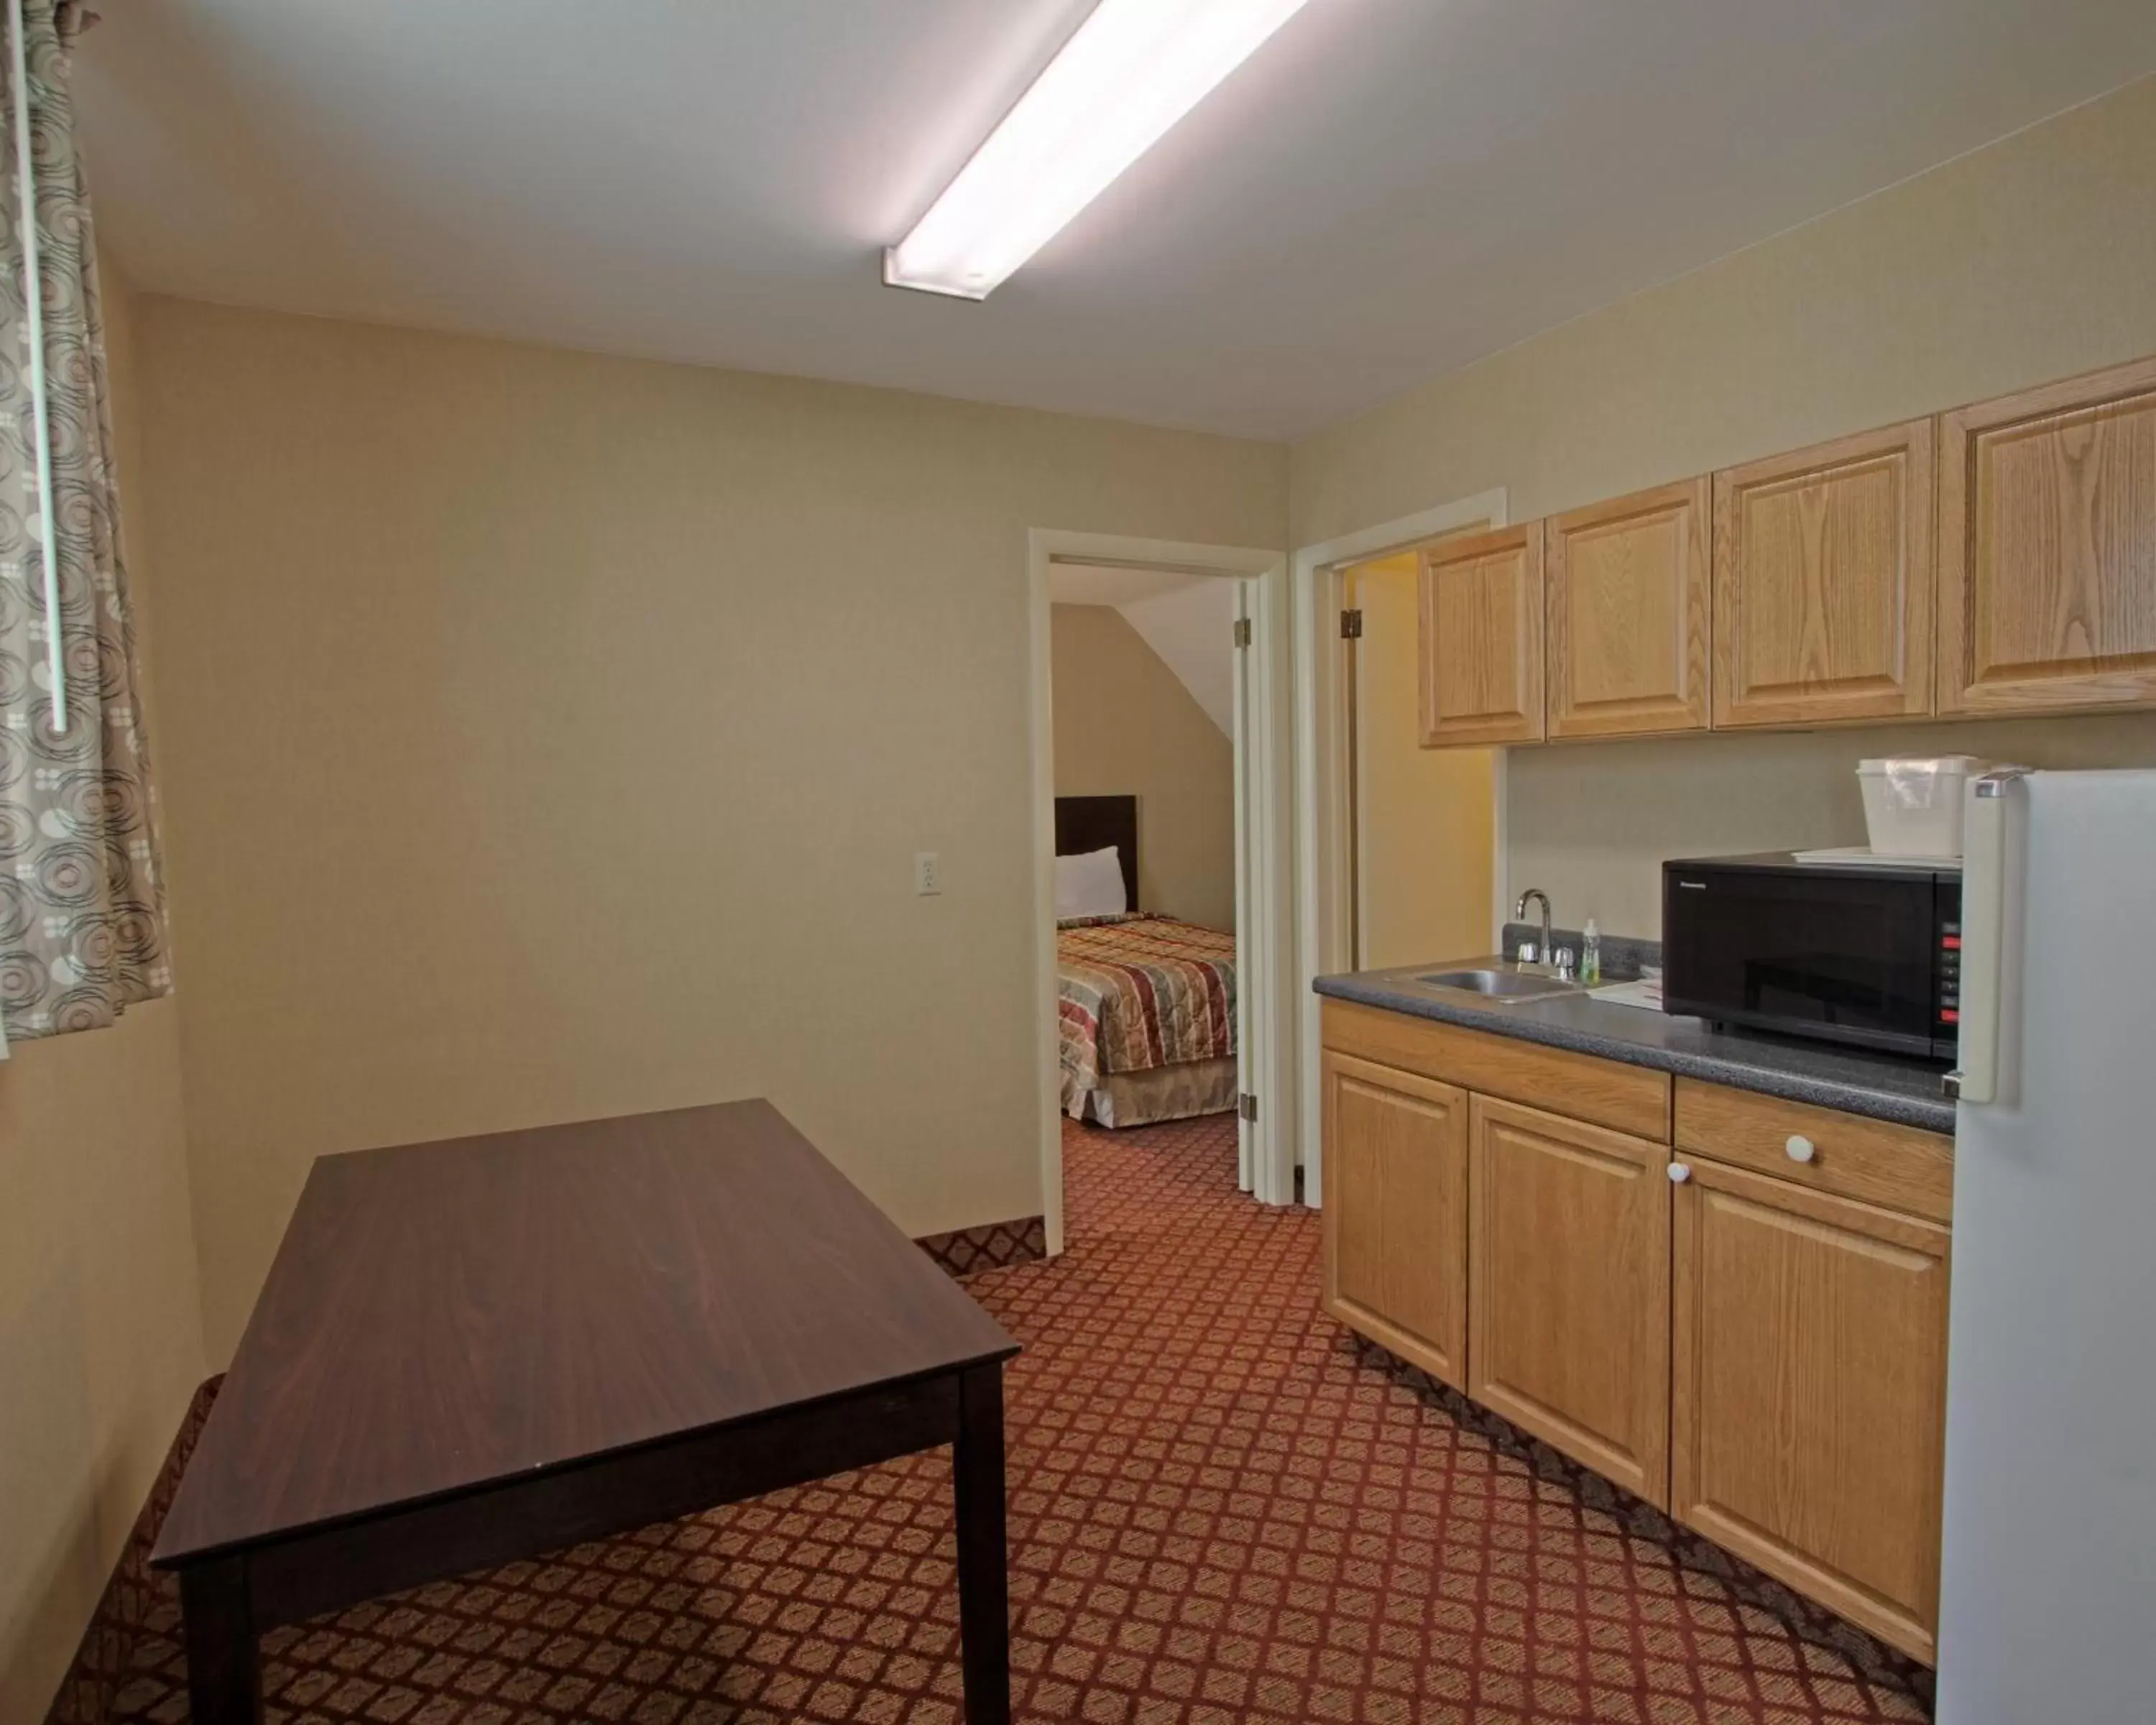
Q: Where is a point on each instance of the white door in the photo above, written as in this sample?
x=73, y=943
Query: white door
x=1246, y=913
x=1266, y=1022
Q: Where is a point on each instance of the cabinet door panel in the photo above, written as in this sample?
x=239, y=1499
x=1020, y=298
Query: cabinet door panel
x=1809, y=1388
x=2047, y=506
x=1569, y=1258
x=1823, y=579
x=1482, y=639
x=1627, y=614
x=1396, y=1212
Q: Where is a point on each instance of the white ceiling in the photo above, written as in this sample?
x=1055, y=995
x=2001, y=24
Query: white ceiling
x=1388, y=189
x=1191, y=630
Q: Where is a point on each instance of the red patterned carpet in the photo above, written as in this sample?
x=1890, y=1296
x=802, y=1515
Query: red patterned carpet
x=1222, y=1509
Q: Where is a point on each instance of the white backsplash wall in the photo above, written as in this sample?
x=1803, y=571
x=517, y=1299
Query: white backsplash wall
x=1590, y=823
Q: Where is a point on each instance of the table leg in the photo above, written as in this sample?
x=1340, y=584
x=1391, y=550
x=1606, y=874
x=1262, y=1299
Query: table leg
x=984, y=1555
x=225, y=1675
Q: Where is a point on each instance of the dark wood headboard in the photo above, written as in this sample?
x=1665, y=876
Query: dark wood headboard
x=1084, y=823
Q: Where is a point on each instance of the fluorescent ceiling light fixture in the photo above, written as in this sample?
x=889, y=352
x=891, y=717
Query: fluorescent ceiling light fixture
x=1131, y=70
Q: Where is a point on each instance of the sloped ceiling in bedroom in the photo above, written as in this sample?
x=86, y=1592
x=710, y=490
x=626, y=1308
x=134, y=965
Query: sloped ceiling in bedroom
x=1188, y=620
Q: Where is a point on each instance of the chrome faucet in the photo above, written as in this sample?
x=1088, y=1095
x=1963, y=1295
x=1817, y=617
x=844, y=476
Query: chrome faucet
x=1533, y=954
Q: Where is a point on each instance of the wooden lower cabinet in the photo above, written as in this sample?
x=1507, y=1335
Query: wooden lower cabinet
x=1761, y=1354
x=1568, y=1265
x=1396, y=1212
x=1808, y=1384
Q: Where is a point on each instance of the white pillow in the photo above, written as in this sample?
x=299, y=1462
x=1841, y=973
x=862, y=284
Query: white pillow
x=1090, y=885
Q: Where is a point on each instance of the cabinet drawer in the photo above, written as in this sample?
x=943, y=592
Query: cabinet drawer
x=1896, y=1167
x=1629, y=1099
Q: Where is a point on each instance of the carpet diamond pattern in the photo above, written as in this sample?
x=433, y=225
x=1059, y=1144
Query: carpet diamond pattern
x=1222, y=1509
x=992, y=1246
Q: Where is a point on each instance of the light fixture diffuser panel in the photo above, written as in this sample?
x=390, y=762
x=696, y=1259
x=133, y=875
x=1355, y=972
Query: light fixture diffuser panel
x=1126, y=76
x=894, y=276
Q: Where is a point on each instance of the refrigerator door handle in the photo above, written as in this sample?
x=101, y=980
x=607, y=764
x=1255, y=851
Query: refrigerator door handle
x=1984, y=863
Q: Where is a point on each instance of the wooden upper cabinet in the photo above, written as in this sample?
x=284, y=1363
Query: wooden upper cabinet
x=1823, y=579
x=1629, y=584
x=1396, y=1212
x=1482, y=638
x=1568, y=1288
x=2047, y=548
x=1809, y=1411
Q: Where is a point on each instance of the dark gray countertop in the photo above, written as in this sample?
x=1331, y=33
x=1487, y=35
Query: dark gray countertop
x=1906, y=1092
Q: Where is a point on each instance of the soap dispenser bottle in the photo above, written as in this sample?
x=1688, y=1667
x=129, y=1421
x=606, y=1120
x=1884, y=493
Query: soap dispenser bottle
x=1590, y=955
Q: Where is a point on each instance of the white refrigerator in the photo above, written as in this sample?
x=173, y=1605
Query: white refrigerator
x=2048, y=1594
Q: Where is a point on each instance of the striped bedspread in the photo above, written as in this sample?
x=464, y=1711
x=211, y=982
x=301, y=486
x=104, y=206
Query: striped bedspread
x=1138, y=992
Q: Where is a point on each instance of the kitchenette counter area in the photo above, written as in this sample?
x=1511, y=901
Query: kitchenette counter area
x=1629, y=1233
x=1905, y=1092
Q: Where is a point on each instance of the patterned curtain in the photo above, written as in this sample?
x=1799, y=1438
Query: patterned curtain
x=82, y=906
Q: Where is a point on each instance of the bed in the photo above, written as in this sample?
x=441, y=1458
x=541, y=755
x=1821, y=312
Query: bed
x=1145, y=1004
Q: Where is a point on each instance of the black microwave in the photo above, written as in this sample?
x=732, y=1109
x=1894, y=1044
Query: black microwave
x=1860, y=953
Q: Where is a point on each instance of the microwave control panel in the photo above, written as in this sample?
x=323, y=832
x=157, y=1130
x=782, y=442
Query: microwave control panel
x=1949, y=1009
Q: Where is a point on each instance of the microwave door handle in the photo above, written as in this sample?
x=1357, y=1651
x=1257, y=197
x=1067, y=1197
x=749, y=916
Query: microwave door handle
x=1986, y=858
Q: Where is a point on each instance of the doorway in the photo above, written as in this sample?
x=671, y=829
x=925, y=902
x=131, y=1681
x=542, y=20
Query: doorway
x=1327, y=773
x=1248, y=607
x=1421, y=830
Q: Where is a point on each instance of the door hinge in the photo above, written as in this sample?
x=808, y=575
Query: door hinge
x=1246, y=1105
x=1351, y=625
x=1242, y=631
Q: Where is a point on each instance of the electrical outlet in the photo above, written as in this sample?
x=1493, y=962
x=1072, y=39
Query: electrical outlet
x=927, y=873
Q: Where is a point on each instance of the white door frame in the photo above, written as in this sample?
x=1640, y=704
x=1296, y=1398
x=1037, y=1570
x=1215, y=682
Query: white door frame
x=1264, y=903
x=1323, y=902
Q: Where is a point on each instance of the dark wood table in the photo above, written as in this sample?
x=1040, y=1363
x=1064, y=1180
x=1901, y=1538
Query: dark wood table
x=477, y=1350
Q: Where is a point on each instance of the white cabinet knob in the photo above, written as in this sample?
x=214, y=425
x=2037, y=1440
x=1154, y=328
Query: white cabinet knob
x=1800, y=1148
x=1679, y=1173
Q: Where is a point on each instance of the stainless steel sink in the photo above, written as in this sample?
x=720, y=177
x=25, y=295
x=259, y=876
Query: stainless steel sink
x=1498, y=985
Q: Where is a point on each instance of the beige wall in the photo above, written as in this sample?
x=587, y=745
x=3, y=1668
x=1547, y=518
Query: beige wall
x=549, y=736
x=1591, y=824
x=100, y=1339
x=2030, y=259
x=1423, y=834
x=1126, y=725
